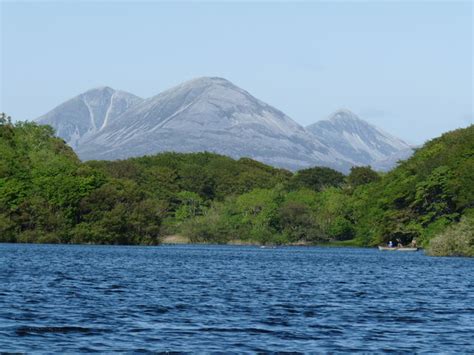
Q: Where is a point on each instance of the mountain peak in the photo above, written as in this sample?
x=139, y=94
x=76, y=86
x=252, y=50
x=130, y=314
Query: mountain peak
x=344, y=115
x=209, y=80
x=88, y=113
x=99, y=90
x=206, y=82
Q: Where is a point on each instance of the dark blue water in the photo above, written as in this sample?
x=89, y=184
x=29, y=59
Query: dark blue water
x=208, y=298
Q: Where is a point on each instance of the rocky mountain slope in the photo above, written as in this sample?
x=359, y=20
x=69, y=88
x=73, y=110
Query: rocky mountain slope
x=360, y=142
x=84, y=115
x=212, y=114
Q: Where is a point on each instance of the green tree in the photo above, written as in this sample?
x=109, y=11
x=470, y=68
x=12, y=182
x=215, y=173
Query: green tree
x=361, y=175
x=191, y=205
x=317, y=179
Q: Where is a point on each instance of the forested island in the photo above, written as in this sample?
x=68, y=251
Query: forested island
x=47, y=195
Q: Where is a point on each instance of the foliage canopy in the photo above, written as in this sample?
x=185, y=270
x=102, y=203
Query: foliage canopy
x=48, y=195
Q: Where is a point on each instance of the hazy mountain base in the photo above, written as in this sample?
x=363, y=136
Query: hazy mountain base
x=48, y=195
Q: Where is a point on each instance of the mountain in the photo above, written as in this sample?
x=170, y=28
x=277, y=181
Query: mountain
x=360, y=142
x=88, y=113
x=212, y=114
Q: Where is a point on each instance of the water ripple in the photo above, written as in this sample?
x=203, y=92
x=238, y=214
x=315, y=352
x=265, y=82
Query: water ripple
x=70, y=299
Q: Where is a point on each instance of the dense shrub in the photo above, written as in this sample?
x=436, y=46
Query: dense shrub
x=457, y=240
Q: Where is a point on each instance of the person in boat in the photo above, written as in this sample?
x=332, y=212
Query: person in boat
x=390, y=244
x=399, y=243
x=413, y=243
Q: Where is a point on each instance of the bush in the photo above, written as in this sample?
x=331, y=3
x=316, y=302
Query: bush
x=457, y=240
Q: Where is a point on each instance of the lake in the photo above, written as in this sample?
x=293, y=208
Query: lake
x=63, y=298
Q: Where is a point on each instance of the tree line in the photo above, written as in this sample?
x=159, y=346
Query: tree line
x=47, y=195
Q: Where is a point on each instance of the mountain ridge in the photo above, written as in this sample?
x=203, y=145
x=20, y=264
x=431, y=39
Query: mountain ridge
x=210, y=114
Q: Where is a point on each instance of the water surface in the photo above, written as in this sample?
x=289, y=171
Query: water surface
x=207, y=298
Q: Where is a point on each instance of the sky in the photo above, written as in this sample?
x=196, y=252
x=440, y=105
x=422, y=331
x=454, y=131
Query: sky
x=405, y=66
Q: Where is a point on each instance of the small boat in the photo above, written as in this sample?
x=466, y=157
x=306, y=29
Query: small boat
x=397, y=248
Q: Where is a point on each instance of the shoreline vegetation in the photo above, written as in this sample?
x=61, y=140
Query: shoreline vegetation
x=47, y=195
x=183, y=240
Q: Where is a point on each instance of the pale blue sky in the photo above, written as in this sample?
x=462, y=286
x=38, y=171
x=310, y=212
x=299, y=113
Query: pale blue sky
x=404, y=66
